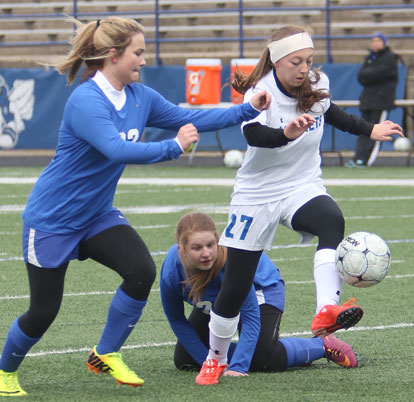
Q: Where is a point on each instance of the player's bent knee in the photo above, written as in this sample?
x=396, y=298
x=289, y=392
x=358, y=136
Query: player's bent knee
x=34, y=323
x=139, y=279
x=182, y=359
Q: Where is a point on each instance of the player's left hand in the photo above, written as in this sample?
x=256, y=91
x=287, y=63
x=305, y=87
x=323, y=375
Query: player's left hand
x=384, y=131
x=232, y=373
x=261, y=100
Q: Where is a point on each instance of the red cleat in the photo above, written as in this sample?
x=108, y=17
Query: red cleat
x=339, y=352
x=210, y=372
x=333, y=317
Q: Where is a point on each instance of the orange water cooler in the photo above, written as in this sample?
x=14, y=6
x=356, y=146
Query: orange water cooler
x=203, y=81
x=244, y=65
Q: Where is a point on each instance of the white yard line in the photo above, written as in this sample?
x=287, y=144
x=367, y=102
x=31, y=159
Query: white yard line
x=207, y=208
x=180, y=181
x=172, y=343
x=104, y=293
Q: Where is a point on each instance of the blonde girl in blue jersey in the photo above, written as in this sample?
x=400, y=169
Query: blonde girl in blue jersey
x=280, y=182
x=69, y=214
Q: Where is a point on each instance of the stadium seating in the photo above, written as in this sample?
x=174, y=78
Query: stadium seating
x=41, y=24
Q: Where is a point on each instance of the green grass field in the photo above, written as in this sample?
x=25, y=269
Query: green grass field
x=55, y=369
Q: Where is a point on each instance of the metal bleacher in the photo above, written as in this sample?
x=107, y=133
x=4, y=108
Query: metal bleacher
x=36, y=31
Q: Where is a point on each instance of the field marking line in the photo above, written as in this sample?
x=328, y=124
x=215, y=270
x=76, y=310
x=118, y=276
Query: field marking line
x=187, y=181
x=168, y=209
x=172, y=343
x=110, y=292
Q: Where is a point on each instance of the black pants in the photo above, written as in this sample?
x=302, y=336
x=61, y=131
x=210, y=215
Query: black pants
x=364, y=144
x=119, y=248
x=269, y=355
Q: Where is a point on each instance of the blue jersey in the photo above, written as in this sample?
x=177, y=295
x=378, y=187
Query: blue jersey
x=174, y=293
x=96, y=141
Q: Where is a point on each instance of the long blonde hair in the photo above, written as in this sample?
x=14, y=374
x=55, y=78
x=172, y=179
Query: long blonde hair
x=92, y=43
x=306, y=95
x=187, y=225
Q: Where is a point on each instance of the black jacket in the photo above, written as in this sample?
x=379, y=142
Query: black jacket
x=379, y=76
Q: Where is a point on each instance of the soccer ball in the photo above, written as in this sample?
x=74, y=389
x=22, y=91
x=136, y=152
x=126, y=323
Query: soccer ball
x=402, y=144
x=363, y=259
x=233, y=158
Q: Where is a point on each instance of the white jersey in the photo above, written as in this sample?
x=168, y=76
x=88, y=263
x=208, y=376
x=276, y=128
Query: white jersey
x=268, y=175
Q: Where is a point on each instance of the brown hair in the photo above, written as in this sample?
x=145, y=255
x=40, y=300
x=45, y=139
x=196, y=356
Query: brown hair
x=193, y=223
x=305, y=95
x=92, y=43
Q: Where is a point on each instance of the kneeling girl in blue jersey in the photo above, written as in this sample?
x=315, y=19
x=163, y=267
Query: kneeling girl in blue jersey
x=70, y=213
x=192, y=272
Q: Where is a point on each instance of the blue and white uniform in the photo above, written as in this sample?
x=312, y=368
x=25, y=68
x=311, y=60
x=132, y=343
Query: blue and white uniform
x=273, y=183
x=269, y=175
x=268, y=288
x=280, y=182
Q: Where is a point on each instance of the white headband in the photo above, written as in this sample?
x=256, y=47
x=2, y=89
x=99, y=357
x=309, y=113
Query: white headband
x=282, y=47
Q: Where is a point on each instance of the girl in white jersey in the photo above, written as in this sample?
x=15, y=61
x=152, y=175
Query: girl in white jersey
x=69, y=214
x=280, y=182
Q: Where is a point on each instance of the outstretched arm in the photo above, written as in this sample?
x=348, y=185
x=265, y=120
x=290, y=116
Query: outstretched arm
x=166, y=115
x=250, y=321
x=354, y=125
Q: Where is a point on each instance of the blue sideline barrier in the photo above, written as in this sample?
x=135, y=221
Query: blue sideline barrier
x=32, y=103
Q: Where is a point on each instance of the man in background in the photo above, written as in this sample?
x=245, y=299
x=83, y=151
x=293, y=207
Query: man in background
x=379, y=77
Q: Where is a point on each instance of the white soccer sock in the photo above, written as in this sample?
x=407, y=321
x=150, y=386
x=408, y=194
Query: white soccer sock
x=221, y=333
x=328, y=283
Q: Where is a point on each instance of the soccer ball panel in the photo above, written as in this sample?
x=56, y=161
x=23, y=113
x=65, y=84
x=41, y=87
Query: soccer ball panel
x=363, y=259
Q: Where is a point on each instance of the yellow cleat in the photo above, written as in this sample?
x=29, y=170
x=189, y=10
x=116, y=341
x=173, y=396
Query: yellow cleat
x=111, y=363
x=9, y=385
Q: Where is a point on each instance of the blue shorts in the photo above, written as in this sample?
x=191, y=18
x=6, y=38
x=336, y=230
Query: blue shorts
x=50, y=250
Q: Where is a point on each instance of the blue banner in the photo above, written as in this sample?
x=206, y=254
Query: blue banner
x=32, y=103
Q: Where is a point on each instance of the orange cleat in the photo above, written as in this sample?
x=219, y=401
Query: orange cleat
x=333, y=317
x=339, y=352
x=210, y=372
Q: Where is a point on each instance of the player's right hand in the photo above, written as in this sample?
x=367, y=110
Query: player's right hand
x=298, y=126
x=187, y=135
